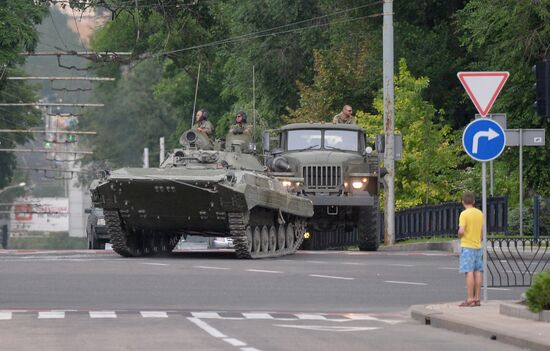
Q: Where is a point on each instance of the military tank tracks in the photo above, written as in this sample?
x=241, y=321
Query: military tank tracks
x=265, y=241
x=134, y=243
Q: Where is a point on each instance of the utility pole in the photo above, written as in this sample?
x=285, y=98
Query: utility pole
x=389, y=157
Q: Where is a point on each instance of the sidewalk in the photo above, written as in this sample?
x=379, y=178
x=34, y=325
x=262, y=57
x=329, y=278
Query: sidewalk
x=487, y=321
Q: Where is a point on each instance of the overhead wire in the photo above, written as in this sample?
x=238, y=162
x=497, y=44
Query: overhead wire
x=272, y=31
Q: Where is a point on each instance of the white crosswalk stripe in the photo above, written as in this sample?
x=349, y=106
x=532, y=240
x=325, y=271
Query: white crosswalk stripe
x=257, y=316
x=102, y=314
x=51, y=315
x=226, y=315
x=5, y=316
x=153, y=314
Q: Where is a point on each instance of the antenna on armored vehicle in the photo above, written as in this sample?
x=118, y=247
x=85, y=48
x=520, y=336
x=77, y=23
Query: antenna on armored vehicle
x=196, y=92
x=253, y=106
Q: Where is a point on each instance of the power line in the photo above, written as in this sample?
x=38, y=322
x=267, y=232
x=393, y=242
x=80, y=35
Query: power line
x=254, y=36
x=271, y=31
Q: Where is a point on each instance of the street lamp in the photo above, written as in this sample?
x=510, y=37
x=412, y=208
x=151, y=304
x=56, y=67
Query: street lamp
x=22, y=184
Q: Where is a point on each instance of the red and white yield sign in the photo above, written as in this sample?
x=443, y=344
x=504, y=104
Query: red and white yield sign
x=483, y=88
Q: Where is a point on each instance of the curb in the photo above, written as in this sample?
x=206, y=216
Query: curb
x=460, y=325
x=521, y=311
x=449, y=246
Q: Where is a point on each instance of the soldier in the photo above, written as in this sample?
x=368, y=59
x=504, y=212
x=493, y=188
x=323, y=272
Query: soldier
x=344, y=117
x=202, y=124
x=240, y=126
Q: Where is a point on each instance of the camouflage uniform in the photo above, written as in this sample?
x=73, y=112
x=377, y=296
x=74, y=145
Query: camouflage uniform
x=242, y=128
x=341, y=118
x=206, y=125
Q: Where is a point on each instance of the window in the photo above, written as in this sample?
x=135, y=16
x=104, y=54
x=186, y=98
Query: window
x=304, y=140
x=341, y=139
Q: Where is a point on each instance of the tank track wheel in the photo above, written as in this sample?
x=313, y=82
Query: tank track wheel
x=122, y=242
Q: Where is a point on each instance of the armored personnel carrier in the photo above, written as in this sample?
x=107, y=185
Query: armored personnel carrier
x=201, y=190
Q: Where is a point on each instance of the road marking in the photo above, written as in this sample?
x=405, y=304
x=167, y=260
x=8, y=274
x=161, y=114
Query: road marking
x=4, y=316
x=249, y=349
x=330, y=277
x=399, y=282
x=450, y=268
x=210, y=267
x=234, y=342
x=306, y=316
x=501, y=289
x=209, y=315
x=360, y=317
x=153, y=314
x=263, y=271
x=207, y=328
x=398, y=265
x=257, y=316
x=102, y=314
x=51, y=315
x=327, y=328
x=155, y=264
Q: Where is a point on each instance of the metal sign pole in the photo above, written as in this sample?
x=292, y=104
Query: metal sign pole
x=520, y=183
x=484, y=209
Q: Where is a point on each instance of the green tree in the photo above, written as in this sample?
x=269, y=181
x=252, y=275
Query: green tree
x=17, y=34
x=511, y=36
x=133, y=118
x=341, y=77
x=428, y=171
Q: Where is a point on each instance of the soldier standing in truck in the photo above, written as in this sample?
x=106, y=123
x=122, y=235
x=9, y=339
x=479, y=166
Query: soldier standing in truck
x=344, y=117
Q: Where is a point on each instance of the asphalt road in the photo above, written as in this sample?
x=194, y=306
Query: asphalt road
x=68, y=300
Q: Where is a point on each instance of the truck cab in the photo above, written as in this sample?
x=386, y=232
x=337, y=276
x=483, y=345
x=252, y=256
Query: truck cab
x=332, y=165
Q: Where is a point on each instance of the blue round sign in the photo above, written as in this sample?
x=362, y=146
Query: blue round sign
x=484, y=139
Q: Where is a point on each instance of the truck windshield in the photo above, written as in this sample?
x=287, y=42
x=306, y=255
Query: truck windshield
x=341, y=139
x=304, y=139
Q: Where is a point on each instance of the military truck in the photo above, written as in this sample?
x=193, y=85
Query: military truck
x=201, y=190
x=332, y=165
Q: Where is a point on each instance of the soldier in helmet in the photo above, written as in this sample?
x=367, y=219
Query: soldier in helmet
x=202, y=124
x=240, y=126
x=344, y=117
x=240, y=134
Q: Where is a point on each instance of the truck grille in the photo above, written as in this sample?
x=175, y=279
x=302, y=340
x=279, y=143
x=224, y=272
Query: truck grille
x=322, y=177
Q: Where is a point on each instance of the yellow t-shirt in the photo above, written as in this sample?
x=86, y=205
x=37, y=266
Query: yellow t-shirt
x=472, y=221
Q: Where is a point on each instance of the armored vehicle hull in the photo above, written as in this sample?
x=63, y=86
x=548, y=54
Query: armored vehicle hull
x=205, y=193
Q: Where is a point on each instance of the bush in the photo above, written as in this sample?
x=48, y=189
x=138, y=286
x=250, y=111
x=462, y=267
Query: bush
x=538, y=295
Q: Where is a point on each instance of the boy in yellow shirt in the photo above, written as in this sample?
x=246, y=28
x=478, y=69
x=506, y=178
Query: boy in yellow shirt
x=470, y=233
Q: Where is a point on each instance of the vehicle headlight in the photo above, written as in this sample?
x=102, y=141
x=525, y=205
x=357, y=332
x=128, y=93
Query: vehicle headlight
x=359, y=183
x=101, y=221
x=286, y=183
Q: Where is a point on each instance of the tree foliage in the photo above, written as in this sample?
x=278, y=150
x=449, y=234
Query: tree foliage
x=512, y=36
x=17, y=34
x=428, y=171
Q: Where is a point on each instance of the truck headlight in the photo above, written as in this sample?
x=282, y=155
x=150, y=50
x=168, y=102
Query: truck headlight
x=359, y=183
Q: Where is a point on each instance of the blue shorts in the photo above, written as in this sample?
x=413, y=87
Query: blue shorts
x=471, y=260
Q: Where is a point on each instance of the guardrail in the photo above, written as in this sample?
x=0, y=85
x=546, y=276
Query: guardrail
x=442, y=219
x=514, y=261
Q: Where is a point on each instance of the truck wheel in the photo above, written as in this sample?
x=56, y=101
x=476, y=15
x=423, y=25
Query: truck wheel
x=367, y=229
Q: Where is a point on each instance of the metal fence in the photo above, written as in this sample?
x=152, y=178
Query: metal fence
x=514, y=261
x=442, y=219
